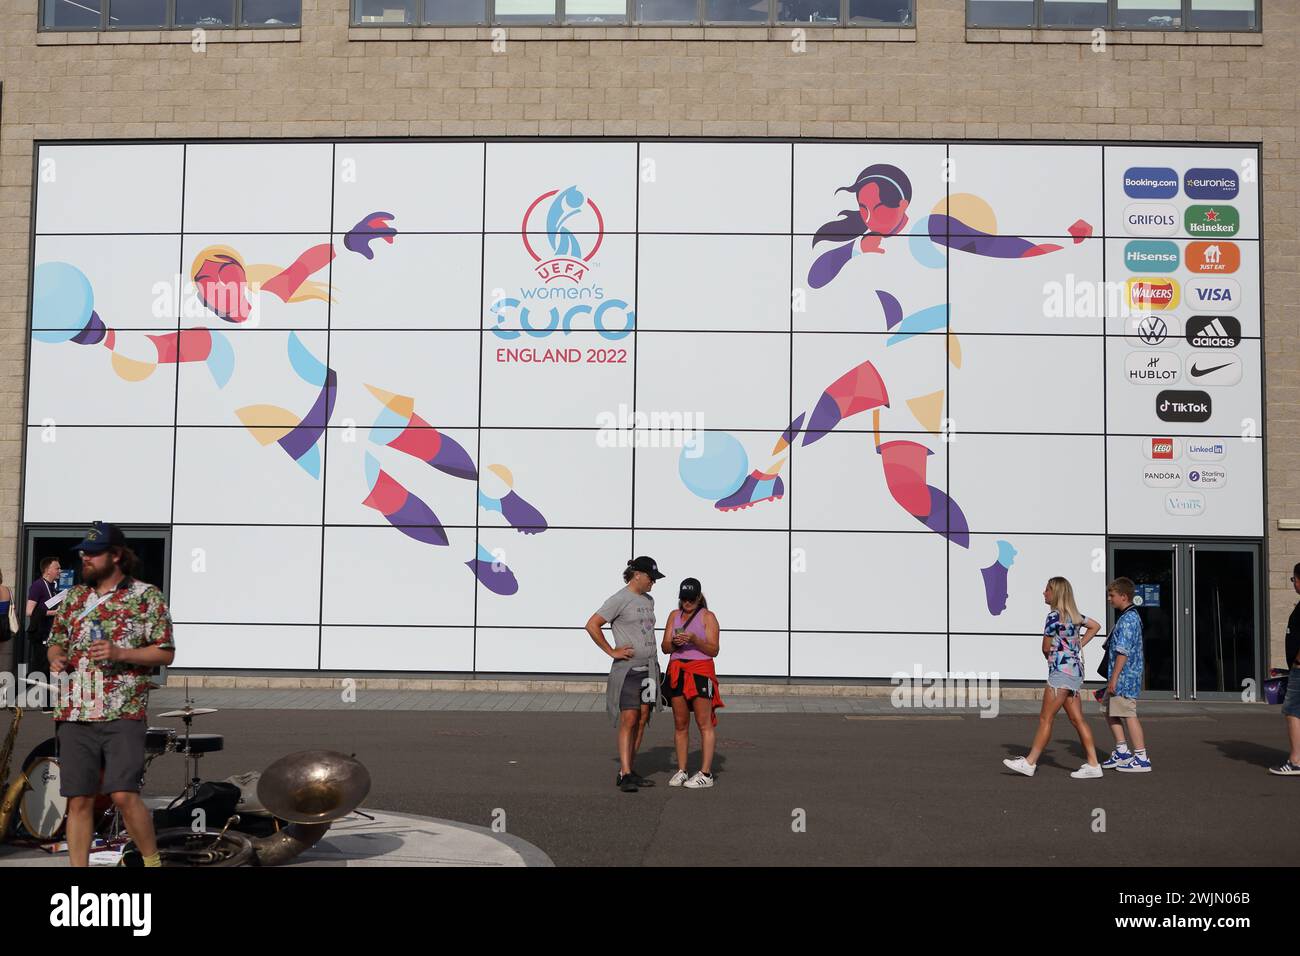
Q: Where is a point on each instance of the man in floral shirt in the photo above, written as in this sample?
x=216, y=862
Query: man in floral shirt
x=109, y=634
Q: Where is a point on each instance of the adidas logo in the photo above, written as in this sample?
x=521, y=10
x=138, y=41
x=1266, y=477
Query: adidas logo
x=1214, y=333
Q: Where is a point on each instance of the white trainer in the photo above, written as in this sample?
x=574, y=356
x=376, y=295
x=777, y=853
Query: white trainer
x=699, y=781
x=1086, y=771
x=1021, y=765
x=677, y=779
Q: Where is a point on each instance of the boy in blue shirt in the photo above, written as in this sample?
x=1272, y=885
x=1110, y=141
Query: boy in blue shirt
x=1125, y=661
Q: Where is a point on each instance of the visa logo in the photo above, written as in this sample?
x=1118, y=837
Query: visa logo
x=1215, y=295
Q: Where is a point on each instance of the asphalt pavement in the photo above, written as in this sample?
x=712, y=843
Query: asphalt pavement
x=877, y=788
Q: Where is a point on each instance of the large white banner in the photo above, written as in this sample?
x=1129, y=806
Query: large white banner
x=412, y=406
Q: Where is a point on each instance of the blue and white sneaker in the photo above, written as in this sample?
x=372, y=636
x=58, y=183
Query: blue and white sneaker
x=1136, y=765
x=1117, y=759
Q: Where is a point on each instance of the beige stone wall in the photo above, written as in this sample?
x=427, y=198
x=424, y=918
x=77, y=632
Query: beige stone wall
x=936, y=81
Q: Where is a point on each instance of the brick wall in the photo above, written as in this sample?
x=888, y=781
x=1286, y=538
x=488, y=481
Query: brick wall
x=937, y=81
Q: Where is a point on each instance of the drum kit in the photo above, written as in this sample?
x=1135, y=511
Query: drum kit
x=42, y=811
x=307, y=790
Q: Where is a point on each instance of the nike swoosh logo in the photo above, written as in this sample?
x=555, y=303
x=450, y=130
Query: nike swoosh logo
x=1198, y=372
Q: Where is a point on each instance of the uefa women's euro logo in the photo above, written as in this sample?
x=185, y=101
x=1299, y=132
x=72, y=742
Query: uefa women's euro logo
x=573, y=229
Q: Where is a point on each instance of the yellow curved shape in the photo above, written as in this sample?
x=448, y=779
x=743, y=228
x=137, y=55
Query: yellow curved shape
x=502, y=472
x=267, y=423
x=403, y=405
x=954, y=351
x=928, y=410
x=132, y=370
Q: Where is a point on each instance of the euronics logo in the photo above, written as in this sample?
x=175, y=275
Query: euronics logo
x=1218, y=220
x=1213, y=184
x=1148, y=256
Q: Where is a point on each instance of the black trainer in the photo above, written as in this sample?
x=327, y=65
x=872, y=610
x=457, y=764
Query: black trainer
x=626, y=782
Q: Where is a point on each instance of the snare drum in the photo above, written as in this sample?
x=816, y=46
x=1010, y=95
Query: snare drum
x=159, y=740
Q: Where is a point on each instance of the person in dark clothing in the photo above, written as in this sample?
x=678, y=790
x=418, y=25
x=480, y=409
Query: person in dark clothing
x=1291, y=704
x=39, y=618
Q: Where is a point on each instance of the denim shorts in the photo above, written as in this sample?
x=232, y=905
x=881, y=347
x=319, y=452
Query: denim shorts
x=1291, y=703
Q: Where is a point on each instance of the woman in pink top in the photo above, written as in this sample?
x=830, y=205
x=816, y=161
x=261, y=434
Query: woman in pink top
x=690, y=683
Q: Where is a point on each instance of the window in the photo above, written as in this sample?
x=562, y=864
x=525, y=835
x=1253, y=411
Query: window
x=858, y=13
x=168, y=14
x=1215, y=15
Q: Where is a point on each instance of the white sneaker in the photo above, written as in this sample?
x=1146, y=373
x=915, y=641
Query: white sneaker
x=699, y=781
x=1021, y=765
x=677, y=779
x=1086, y=771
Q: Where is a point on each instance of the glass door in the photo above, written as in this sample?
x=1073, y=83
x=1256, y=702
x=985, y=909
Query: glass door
x=1201, y=614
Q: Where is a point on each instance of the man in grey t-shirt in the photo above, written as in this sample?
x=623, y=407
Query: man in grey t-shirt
x=633, y=687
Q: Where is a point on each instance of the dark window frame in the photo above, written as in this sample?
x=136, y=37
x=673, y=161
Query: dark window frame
x=1112, y=12
x=560, y=18
x=106, y=27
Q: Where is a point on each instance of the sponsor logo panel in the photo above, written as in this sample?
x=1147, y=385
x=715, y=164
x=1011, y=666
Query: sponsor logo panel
x=1213, y=258
x=1213, y=368
x=1213, y=332
x=1185, y=503
x=1150, y=182
x=1162, y=449
x=1211, y=184
x=1214, y=295
x=1152, y=368
x=1207, y=477
x=1142, y=255
x=1212, y=221
x=1157, y=295
x=1152, y=330
x=1203, y=449
x=1150, y=219
x=1162, y=476
x=1183, y=405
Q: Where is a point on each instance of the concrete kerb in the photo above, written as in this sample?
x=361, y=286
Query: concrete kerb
x=536, y=686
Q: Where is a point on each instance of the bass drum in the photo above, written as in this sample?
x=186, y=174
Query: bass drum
x=42, y=800
x=43, y=809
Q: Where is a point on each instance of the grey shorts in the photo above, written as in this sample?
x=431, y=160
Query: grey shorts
x=632, y=694
x=1291, y=702
x=116, y=746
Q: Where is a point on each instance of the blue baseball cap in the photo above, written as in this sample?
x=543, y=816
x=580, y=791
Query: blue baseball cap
x=101, y=536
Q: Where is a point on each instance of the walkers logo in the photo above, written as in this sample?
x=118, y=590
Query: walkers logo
x=1152, y=368
x=1212, y=257
x=1185, y=503
x=1162, y=476
x=1213, y=368
x=1211, y=220
x=1152, y=330
x=1213, y=332
x=1183, y=406
x=1211, y=184
x=1146, y=256
x=1150, y=219
x=1199, y=449
x=1152, y=294
x=1214, y=295
x=1207, y=477
x=572, y=227
x=1150, y=182
x=1162, y=449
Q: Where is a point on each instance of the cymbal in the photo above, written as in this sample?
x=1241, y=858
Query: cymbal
x=189, y=712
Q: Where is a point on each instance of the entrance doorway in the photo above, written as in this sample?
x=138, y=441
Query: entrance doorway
x=1201, y=614
x=150, y=544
